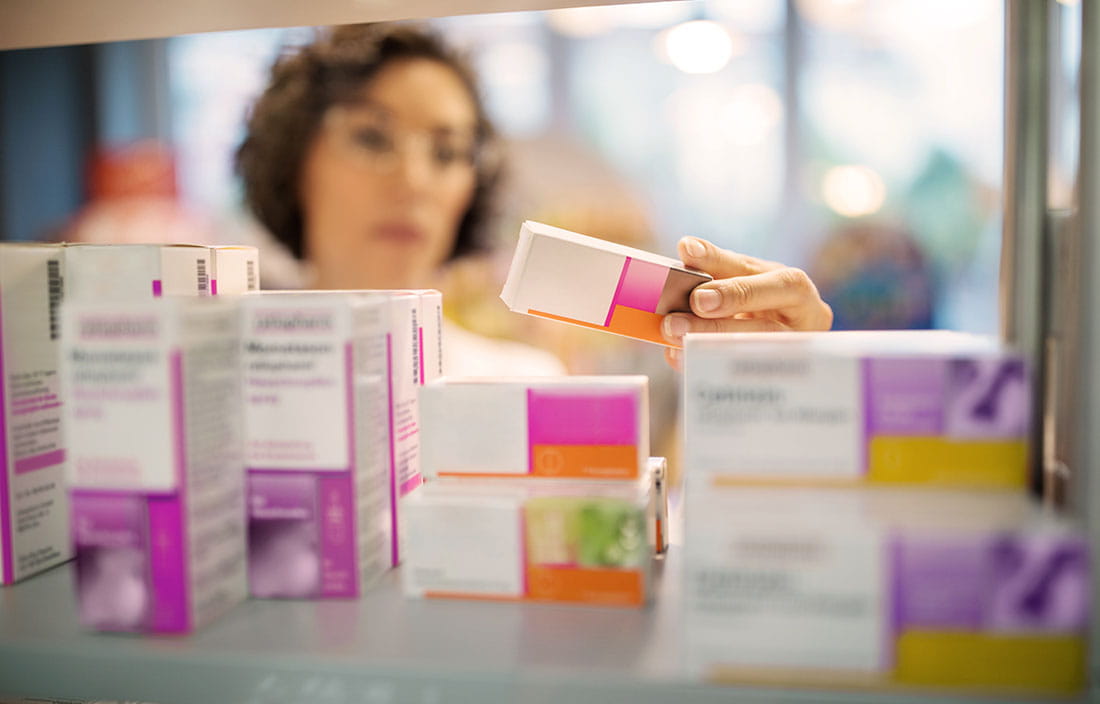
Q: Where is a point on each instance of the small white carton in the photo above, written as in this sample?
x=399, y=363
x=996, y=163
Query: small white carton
x=884, y=587
x=896, y=407
x=579, y=542
x=236, y=269
x=581, y=427
x=155, y=467
x=316, y=381
x=34, y=513
x=132, y=272
x=593, y=283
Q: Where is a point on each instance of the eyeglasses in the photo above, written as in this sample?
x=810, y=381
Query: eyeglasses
x=378, y=143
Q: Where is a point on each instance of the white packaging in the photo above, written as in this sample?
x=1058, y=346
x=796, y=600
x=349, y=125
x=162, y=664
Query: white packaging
x=155, y=467
x=34, y=513
x=900, y=407
x=316, y=377
x=592, y=427
x=593, y=283
x=131, y=272
x=913, y=587
x=236, y=269
x=547, y=540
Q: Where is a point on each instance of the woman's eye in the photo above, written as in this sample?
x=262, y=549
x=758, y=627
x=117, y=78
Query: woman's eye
x=373, y=139
x=447, y=154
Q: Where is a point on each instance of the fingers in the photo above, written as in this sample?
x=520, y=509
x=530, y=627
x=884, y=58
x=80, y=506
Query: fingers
x=720, y=263
x=787, y=290
x=675, y=358
x=676, y=325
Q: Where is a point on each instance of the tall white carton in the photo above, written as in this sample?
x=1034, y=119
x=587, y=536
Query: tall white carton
x=155, y=461
x=316, y=419
x=34, y=514
x=132, y=272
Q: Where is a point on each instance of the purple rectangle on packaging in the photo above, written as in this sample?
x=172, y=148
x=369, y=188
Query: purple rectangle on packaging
x=1039, y=583
x=157, y=288
x=276, y=494
x=905, y=396
x=940, y=582
x=641, y=285
x=46, y=459
x=7, y=551
x=596, y=416
x=169, y=573
x=110, y=536
x=339, y=573
x=284, y=559
x=213, y=287
x=420, y=342
x=987, y=398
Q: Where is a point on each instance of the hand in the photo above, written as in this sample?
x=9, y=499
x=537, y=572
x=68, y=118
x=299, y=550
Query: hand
x=747, y=295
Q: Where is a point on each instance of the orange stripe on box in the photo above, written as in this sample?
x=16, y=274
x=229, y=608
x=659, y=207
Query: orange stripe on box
x=640, y=324
x=631, y=322
x=474, y=597
x=585, y=461
x=606, y=587
x=486, y=475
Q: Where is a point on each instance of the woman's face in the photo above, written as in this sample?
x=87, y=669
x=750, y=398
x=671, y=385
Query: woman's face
x=388, y=178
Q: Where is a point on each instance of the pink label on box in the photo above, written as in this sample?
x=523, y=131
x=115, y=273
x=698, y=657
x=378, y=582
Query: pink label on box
x=7, y=561
x=339, y=576
x=46, y=459
x=641, y=285
x=575, y=417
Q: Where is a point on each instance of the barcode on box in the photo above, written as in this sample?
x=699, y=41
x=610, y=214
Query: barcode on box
x=54, y=291
x=250, y=273
x=203, y=279
x=416, y=344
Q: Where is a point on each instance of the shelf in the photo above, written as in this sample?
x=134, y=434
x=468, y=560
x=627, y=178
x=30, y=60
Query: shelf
x=35, y=23
x=381, y=649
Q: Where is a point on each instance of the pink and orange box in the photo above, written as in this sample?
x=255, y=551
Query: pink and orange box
x=573, y=278
x=549, y=489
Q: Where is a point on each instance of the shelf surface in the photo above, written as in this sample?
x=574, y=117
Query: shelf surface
x=380, y=649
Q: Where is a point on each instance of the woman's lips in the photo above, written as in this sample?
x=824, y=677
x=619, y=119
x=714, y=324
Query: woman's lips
x=396, y=232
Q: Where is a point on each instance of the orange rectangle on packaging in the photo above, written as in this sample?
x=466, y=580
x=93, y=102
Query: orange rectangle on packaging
x=605, y=587
x=585, y=461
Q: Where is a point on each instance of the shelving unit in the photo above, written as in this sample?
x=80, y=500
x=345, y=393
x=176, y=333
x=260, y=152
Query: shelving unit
x=382, y=649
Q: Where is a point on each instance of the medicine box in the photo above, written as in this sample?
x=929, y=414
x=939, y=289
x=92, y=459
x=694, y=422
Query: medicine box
x=929, y=407
x=236, y=269
x=548, y=540
x=883, y=587
x=589, y=427
x=316, y=401
x=34, y=510
x=574, y=278
x=131, y=272
x=157, y=482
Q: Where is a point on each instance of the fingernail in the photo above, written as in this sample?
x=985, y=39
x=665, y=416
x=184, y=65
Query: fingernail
x=706, y=300
x=694, y=247
x=675, y=326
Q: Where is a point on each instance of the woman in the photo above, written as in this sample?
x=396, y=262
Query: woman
x=370, y=156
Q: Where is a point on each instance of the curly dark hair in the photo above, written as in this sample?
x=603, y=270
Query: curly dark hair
x=329, y=71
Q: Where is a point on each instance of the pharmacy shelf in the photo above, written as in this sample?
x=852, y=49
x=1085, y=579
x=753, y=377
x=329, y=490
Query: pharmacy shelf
x=381, y=649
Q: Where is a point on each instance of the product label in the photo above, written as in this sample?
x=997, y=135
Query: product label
x=465, y=549
x=295, y=405
x=788, y=598
x=742, y=412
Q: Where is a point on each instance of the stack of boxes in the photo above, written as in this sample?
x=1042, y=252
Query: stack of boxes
x=539, y=489
x=856, y=512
